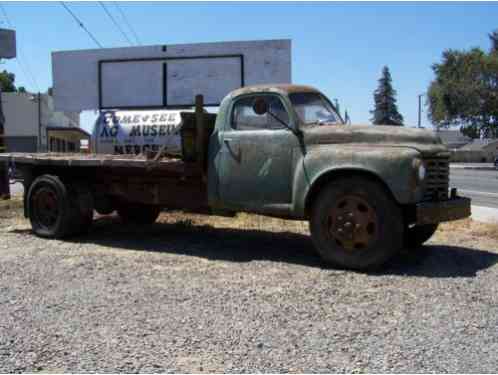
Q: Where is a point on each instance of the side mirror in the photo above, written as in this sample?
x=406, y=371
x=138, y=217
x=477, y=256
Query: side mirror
x=260, y=106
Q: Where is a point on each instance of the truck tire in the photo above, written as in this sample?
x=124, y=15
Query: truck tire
x=415, y=236
x=138, y=213
x=57, y=210
x=355, y=224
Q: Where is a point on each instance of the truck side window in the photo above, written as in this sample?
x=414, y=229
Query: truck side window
x=244, y=118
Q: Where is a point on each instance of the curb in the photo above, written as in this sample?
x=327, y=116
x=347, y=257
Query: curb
x=485, y=214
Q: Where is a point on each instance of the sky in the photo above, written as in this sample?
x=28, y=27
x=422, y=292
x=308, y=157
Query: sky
x=340, y=48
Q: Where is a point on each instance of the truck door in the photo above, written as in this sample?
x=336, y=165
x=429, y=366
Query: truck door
x=257, y=154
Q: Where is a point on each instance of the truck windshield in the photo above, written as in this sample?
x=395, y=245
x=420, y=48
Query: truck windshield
x=314, y=109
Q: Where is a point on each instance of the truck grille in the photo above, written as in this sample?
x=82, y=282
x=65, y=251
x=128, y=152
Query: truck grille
x=437, y=179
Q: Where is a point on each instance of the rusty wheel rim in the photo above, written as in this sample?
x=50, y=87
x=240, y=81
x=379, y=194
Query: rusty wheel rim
x=46, y=210
x=352, y=223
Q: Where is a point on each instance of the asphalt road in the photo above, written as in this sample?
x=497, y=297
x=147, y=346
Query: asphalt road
x=480, y=185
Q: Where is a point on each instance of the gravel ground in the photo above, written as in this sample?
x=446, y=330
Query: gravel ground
x=197, y=294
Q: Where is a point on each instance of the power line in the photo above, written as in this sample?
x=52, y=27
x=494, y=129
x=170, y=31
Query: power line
x=23, y=66
x=81, y=24
x=115, y=23
x=127, y=22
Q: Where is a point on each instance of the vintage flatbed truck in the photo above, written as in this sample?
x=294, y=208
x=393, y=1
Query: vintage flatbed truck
x=276, y=150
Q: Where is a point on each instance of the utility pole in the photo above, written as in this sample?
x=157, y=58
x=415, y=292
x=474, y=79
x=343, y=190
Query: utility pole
x=420, y=110
x=7, y=51
x=4, y=168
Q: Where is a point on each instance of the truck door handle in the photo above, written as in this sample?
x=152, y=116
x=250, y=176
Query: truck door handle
x=236, y=156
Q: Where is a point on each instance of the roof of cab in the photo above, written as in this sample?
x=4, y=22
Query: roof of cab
x=278, y=87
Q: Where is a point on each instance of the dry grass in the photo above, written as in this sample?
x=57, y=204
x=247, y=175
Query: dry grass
x=11, y=204
x=240, y=221
x=468, y=227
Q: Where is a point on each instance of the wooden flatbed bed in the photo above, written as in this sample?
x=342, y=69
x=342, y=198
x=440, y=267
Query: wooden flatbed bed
x=164, y=163
x=164, y=181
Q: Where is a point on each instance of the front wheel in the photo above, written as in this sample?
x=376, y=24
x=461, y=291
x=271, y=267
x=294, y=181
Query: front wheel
x=355, y=224
x=415, y=236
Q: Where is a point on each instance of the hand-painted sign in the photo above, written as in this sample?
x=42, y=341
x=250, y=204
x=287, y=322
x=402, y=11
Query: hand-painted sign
x=136, y=132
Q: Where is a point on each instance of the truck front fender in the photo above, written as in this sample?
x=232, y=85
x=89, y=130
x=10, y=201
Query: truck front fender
x=392, y=167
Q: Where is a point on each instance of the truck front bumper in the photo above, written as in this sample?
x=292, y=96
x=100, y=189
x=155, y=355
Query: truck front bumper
x=437, y=212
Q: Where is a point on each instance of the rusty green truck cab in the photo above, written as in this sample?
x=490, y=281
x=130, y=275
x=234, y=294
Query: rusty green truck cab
x=277, y=170
x=282, y=169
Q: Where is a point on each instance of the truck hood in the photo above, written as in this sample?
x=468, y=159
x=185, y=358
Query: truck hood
x=425, y=141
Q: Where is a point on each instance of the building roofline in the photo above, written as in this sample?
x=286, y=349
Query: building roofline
x=68, y=128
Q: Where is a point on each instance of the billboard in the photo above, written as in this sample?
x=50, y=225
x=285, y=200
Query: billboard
x=165, y=76
x=7, y=44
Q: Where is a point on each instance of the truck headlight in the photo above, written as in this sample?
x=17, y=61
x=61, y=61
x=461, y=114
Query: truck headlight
x=419, y=169
x=421, y=172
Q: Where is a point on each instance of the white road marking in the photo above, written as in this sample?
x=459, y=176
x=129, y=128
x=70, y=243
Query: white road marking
x=493, y=195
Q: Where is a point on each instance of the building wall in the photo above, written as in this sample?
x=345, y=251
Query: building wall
x=21, y=115
x=21, y=144
x=64, y=140
x=25, y=117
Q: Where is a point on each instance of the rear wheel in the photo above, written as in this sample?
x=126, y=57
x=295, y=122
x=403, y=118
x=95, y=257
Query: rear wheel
x=138, y=213
x=355, y=224
x=415, y=236
x=57, y=210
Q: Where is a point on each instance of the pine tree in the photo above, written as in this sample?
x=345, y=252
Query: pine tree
x=386, y=110
x=493, y=37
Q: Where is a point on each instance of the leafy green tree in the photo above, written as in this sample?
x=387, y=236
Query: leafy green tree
x=465, y=91
x=7, y=81
x=22, y=89
x=386, y=110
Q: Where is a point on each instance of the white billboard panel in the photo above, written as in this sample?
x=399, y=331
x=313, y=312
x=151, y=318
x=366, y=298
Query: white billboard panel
x=212, y=77
x=165, y=76
x=7, y=44
x=142, y=78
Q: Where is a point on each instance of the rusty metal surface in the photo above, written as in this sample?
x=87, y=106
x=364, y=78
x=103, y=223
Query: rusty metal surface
x=283, y=89
x=437, y=212
x=353, y=223
x=436, y=184
x=92, y=160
